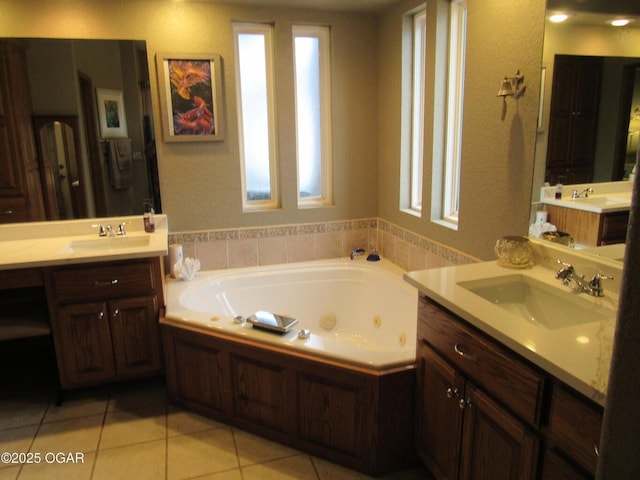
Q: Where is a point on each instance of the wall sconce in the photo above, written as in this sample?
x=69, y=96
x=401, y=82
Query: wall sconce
x=511, y=87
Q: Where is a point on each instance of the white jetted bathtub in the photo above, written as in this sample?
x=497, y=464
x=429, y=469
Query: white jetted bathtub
x=353, y=311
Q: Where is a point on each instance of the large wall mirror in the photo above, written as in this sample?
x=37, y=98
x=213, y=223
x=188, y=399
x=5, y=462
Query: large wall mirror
x=611, y=144
x=93, y=166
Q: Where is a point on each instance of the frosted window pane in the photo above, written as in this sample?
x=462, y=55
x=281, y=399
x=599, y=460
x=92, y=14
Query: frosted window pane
x=255, y=121
x=307, y=66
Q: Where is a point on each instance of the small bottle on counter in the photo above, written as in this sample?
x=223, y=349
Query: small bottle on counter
x=149, y=221
x=558, y=194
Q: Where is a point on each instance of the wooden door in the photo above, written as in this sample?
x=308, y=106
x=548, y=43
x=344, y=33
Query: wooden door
x=573, y=119
x=136, y=336
x=83, y=344
x=495, y=445
x=438, y=414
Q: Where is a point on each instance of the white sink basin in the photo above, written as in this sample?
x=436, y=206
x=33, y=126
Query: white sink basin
x=603, y=201
x=107, y=243
x=538, y=303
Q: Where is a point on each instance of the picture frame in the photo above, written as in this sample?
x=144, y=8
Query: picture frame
x=191, y=98
x=111, y=113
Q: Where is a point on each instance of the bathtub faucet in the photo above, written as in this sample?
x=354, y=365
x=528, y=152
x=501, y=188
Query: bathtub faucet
x=356, y=252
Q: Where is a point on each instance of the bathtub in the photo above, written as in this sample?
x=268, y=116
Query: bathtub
x=346, y=393
x=357, y=312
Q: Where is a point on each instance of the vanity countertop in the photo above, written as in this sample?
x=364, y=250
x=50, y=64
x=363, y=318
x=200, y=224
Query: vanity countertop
x=606, y=197
x=578, y=355
x=40, y=244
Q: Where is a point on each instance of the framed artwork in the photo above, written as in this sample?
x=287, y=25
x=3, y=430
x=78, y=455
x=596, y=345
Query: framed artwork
x=190, y=97
x=111, y=115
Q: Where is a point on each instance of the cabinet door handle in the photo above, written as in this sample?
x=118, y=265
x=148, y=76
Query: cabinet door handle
x=105, y=283
x=464, y=403
x=452, y=392
x=116, y=312
x=101, y=315
x=458, y=349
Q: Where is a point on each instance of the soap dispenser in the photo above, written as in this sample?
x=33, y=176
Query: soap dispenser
x=149, y=221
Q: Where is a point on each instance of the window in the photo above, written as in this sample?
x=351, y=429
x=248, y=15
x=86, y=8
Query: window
x=256, y=117
x=446, y=188
x=413, y=82
x=313, y=114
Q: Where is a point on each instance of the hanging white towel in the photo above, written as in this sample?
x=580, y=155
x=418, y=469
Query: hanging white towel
x=120, y=162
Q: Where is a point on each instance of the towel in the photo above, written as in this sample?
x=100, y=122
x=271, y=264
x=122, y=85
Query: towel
x=120, y=162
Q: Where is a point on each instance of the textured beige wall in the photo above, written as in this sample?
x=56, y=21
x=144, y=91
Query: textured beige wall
x=200, y=182
x=497, y=156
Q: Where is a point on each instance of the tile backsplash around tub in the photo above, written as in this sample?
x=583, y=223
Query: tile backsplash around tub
x=248, y=247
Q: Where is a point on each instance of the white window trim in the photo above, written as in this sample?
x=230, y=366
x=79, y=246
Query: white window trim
x=323, y=33
x=447, y=159
x=455, y=102
x=412, y=142
x=267, y=31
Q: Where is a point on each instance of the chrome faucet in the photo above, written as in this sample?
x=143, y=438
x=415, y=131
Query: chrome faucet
x=586, y=192
x=567, y=274
x=121, y=230
x=356, y=252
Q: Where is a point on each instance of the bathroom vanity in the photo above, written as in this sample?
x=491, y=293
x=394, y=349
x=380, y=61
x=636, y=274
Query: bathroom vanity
x=596, y=217
x=502, y=396
x=102, y=296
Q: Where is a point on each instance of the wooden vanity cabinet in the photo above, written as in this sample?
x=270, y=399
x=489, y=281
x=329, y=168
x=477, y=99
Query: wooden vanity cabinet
x=104, y=320
x=573, y=436
x=590, y=228
x=478, y=406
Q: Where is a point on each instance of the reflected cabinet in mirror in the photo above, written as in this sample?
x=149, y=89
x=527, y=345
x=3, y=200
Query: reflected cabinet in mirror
x=89, y=127
x=590, y=101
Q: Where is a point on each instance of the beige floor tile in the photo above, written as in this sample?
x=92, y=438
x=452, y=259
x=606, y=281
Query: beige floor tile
x=201, y=453
x=50, y=469
x=129, y=397
x=292, y=468
x=10, y=473
x=74, y=435
x=125, y=427
x=330, y=471
x=141, y=461
x=78, y=405
x=17, y=440
x=254, y=449
x=180, y=422
x=228, y=475
x=23, y=411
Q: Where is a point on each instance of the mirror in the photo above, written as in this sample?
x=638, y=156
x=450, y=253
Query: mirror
x=80, y=177
x=586, y=34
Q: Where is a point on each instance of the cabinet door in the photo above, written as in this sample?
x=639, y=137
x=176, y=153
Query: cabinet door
x=83, y=344
x=438, y=414
x=556, y=468
x=136, y=336
x=495, y=446
x=573, y=118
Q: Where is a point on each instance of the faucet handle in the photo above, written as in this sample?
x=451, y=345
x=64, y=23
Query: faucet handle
x=122, y=230
x=595, y=286
x=102, y=232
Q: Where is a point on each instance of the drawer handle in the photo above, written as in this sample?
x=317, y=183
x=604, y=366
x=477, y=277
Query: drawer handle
x=8, y=212
x=596, y=450
x=463, y=354
x=99, y=283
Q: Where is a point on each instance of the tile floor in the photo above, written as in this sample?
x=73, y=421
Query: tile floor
x=132, y=432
